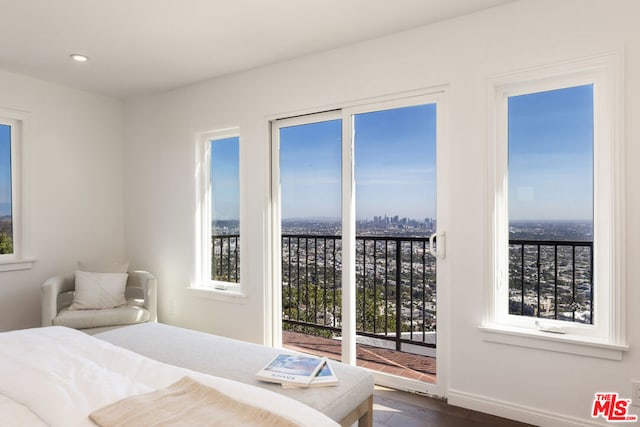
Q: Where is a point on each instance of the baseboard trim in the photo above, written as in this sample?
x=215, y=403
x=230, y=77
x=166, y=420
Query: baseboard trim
x=522, y=413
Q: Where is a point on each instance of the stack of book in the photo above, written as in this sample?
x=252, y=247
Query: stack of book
x=296, y=371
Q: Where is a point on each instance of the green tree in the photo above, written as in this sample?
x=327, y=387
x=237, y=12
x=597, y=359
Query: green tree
x=6, y=244
x=370, y=311
x=314, y=304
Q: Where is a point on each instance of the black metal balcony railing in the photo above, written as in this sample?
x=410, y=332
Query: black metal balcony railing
x=395, y=287
x=396, y=283
x=225, y=263
x=551, y=279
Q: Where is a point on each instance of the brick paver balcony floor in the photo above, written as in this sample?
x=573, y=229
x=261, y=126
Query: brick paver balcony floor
x=406, y=365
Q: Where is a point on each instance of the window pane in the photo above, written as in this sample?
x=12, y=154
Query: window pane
x=550, y=181
x=395, y=171
x=310, y=183
x=225, y=209
x=310, y=170
x=6, y=217
x=395, y=175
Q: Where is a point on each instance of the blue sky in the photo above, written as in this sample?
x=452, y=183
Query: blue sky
x=394, y=166
x=551, y=155
x=225, y=178
x=395, y=163
x=550, y=162
x=5, y=170
x=310, y=168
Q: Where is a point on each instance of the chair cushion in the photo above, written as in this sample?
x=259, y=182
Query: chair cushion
x=82, y=319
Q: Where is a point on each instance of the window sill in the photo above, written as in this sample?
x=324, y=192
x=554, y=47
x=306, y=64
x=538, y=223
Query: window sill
x=561, y=343
x=16, y=264
x=233, y=295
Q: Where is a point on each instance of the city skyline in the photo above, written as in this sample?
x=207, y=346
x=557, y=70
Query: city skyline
x=395, y=162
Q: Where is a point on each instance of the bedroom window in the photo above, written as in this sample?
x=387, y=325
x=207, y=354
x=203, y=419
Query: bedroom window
x=6, y=210
x=555, y=185
x=550, y=204
x=11, y=235
x=220, y=210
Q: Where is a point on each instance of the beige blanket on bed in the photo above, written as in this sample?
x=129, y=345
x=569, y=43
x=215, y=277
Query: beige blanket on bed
x=185, y=403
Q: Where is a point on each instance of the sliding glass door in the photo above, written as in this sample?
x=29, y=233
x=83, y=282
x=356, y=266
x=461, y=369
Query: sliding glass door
x=358, y=251
x=395, y=214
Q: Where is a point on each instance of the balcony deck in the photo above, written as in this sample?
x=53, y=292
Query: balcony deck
x=412, y=366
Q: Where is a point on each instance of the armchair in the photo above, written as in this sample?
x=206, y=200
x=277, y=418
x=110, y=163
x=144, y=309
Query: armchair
x=140, y=293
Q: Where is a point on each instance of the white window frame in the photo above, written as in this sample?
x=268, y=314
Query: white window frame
x=606, y=336
x=203, y=283
x=18, y=259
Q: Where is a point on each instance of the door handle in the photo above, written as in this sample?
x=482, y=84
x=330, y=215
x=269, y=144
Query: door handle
x=439, y=251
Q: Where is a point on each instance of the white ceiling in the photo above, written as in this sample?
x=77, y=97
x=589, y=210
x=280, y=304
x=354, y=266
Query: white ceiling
x=143, y=46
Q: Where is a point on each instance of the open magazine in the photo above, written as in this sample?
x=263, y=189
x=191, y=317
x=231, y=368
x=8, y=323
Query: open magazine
x=325, y=378
x=292, y=369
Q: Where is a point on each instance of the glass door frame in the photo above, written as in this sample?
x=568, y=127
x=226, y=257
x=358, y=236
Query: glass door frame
x=274, y=292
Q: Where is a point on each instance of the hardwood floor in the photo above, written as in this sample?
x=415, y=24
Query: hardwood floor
x=392, y=408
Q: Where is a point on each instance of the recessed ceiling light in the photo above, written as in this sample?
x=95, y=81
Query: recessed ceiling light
x=78, y=57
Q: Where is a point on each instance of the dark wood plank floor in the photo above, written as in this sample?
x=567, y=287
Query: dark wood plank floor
x=392, y=408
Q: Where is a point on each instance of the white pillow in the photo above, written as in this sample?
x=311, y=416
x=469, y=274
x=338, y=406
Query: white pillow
x=99, y=290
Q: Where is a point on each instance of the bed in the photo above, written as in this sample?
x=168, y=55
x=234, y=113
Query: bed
x=349, y=402
x=58, y=376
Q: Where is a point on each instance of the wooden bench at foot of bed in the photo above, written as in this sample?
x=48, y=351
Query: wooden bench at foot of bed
x=350, y=401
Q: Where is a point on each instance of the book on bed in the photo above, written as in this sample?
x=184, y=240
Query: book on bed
x=292, y=369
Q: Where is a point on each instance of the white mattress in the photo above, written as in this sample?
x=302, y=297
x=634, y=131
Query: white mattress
x=57, y=376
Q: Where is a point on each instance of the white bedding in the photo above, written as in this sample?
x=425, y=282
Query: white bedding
x=14, y=414
x=62, y=375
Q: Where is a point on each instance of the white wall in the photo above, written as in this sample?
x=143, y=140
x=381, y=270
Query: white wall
x=73, y=187
x=159, y=173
